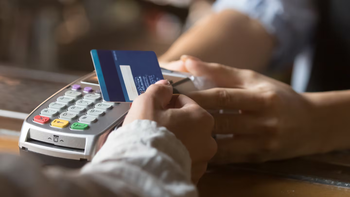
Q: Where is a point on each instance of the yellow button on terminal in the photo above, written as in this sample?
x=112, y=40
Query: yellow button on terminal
x=60, y=123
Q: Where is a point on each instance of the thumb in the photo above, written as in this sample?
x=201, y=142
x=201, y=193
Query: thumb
x=161, y=93
x=220, y=75
x=194, y=66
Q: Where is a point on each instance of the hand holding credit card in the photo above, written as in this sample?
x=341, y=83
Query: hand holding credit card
x=124, y=75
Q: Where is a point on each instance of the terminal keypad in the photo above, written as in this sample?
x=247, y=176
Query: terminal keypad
x=78, y=108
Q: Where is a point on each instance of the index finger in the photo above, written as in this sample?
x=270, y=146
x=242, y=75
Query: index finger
x=225, y=98
x=174, y=65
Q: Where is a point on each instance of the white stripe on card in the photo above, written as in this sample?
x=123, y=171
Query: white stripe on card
x=129, y=82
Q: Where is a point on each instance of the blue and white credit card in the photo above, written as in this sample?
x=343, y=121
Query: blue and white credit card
x=124, y=75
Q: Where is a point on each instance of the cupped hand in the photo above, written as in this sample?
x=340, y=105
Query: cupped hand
x=273, y=121
x=190, y=123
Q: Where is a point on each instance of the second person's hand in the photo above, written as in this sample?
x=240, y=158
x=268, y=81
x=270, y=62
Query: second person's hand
x=274, y=121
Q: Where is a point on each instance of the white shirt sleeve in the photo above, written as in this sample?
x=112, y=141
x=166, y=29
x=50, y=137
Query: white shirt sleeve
x=146, y=157
x=292, y=22
x=139, y=159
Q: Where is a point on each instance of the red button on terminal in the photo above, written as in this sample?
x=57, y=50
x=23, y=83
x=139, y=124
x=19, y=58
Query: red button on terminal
x=41, y=119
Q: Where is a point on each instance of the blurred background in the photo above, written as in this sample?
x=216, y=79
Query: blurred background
x=57, y=35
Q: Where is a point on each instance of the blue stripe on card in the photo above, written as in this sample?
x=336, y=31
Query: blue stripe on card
x=99, y=73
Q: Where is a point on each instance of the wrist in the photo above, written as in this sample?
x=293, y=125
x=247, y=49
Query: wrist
x=329, y=119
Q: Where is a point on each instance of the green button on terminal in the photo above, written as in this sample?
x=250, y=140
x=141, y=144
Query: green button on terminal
x=79, y=126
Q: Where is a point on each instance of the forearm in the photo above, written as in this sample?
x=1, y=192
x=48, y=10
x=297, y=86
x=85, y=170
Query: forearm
x=330, y=118
x=229, y=38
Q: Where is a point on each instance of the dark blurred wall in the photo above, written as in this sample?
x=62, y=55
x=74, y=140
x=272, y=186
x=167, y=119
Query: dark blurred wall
x=58, y=35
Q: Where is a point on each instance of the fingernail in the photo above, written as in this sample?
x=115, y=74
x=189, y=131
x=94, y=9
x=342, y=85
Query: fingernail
x=184, y=58
x=163, y=82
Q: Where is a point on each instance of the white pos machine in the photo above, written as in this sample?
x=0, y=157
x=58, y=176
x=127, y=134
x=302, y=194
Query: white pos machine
x=69, y=127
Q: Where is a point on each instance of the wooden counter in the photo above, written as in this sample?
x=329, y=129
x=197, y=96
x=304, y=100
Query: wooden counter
x=267, y=180
x=9, y=145
x=227, y=181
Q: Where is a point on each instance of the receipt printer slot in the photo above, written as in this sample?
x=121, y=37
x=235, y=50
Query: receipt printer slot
x=57, y=140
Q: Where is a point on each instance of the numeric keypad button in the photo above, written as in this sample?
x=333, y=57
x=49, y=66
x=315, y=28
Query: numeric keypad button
x=92, y=97
x=104, y=106
x=73, y=94
x=95, y=112
x=64, y=99
x=49, y=112
x=87, y=119
x=68, y=116
x=83, y=103
x=76, y=109
x=57, y=106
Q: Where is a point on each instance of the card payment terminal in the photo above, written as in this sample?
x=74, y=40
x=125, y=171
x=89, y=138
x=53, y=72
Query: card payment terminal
x=70, y=127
